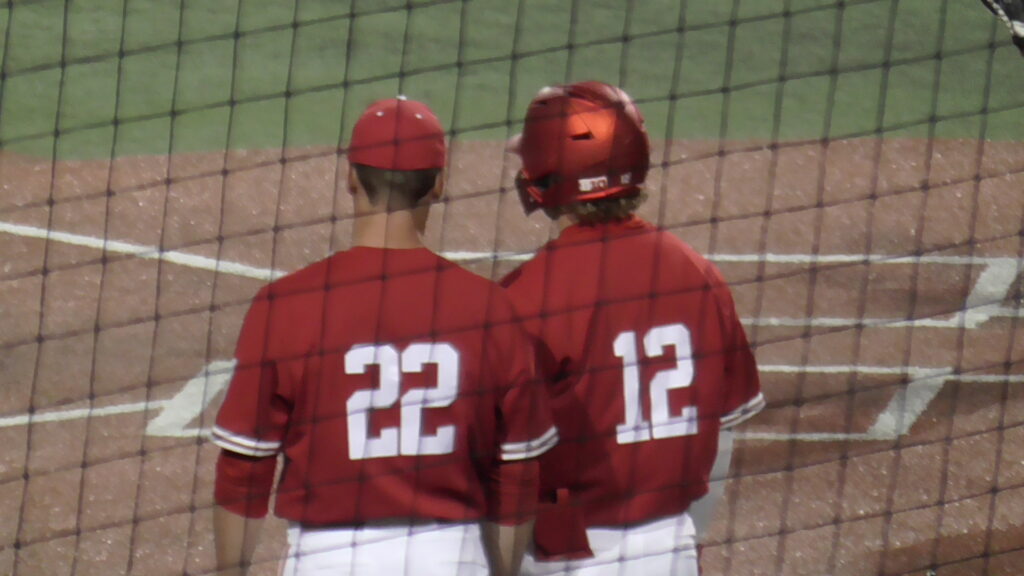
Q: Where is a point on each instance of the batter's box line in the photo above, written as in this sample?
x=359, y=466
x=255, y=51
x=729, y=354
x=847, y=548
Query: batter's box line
x=177, y=414
x=903, y=410
x=245, y=270
x=983, y=303
x=970, y=319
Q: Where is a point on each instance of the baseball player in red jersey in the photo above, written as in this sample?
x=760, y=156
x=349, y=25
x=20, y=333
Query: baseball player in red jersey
x=398, y=388
x=638, y=339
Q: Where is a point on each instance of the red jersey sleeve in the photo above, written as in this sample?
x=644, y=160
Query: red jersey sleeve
x=526, y=427
x=253, y=417
x=520, y=290
x=742, y=386
x=244, y=484
x=526, y=293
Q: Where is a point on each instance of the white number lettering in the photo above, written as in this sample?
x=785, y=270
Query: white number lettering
x=359, y=405
x=635, y=428
x=416, y=399
x=406, y=439
x=662, y=424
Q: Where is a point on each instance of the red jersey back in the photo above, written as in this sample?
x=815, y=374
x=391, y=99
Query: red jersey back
x=391, y=380
x=646, y=360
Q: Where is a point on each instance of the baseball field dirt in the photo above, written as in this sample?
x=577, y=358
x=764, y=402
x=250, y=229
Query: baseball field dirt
x=878, y=280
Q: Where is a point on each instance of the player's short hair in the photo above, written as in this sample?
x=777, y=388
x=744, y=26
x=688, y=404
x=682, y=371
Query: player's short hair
x=402, y=188
x=601, y=210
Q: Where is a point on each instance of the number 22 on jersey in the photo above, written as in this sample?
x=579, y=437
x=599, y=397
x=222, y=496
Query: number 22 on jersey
x=662, y=424
x=407, y=439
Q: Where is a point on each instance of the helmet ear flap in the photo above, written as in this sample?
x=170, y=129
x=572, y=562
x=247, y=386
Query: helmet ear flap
x=526, y=195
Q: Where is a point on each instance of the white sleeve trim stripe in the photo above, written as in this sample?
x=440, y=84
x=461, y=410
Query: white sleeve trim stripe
x=755, y=405
x=531, y=453
x=242, y=449
x=529, y=444
x=530, y=449
x=246, y=440
x=243, y=444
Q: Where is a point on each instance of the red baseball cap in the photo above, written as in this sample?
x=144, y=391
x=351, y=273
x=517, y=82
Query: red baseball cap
x=398, y=134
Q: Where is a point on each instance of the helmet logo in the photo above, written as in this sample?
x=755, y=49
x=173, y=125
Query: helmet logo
x=591, y=184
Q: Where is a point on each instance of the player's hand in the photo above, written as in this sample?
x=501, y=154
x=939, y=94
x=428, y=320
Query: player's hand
x=1011, y=12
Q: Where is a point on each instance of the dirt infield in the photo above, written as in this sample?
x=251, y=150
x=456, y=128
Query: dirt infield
x=879, y=281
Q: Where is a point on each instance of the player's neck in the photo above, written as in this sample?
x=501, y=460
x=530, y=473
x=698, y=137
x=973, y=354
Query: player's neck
x=401, y=229
x=564, y=221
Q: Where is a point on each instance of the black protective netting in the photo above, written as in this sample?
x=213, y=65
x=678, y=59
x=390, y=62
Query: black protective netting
x=854, y=168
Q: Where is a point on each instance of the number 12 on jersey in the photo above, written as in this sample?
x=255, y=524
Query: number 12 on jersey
x=662, y=424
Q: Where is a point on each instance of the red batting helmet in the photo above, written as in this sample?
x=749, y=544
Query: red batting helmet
x=581, y=142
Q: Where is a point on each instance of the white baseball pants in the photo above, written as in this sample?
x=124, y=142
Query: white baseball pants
x=392, y=550
x=664, y=547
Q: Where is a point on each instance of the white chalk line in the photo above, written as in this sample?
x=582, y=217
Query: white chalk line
x=968, y=319
x=770, y=258
x=239, y=269
x=177, y=414
x=79, y=413
x=898, y=417
x=983, y=303
x=190, y=402
x=141, y=251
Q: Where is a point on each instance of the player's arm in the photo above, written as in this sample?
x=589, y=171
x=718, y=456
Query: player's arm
x=526, y=431
x=703, y=511
x=506, y=546
x=741, y=385
x=242, y=495
x=509, y=530
x=512, y=492
x=249, y=430
x=235, y=537
x=741, y=399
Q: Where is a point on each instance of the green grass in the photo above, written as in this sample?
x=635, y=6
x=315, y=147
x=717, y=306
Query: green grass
x=262, y=73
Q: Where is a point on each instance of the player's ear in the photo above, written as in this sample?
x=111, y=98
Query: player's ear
x=353, y=180
x=437, y=192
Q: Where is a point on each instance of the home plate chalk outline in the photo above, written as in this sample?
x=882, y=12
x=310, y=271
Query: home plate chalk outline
x=985, y=301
